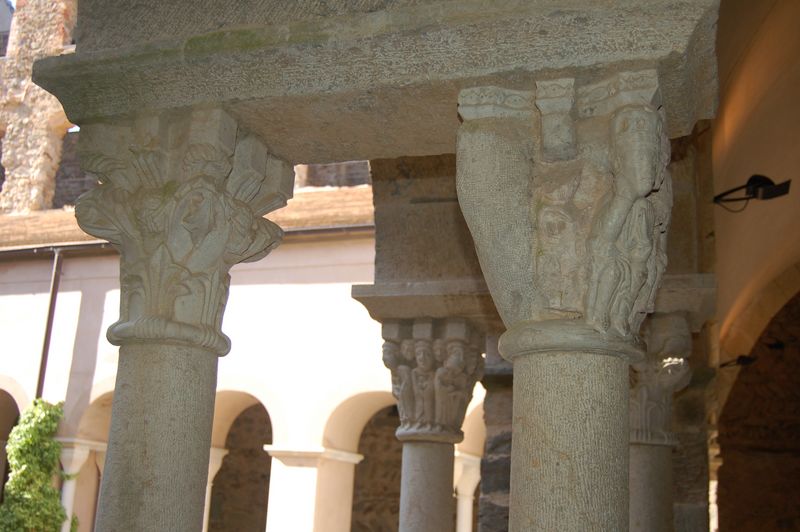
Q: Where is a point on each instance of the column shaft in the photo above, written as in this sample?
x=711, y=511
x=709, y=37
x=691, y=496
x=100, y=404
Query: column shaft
x=157, y=460
x=426, y=490
x=651, y=488
x=569, y=457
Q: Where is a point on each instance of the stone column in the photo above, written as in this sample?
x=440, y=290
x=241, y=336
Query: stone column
x=214, y=463
x=566, y=194
x=654, y=380
x=467, y=477
x=303, y=493
x=182, y=196
x=72, y=460
x=435, y=365
x=32, y=122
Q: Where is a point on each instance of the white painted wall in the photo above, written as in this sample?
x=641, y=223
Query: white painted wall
x=301, y=346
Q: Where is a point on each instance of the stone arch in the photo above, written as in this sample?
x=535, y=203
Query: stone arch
x=346, y=422
x=742, y=333
x=240, y=488
x=9, y=414
x=15, y=391
x=759, y=432
x=376, y=486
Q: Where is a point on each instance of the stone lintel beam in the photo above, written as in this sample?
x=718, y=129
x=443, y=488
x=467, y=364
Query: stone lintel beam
x=469, y=299
x=382, y=84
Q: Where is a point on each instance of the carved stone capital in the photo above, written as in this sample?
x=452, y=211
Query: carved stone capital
x=569, y=200
x=654, y=380
x=435, y=365
x=181, y=196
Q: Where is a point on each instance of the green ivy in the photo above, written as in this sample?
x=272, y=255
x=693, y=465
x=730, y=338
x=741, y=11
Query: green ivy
x=31, y=503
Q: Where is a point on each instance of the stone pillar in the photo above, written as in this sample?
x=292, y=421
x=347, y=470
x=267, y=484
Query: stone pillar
x=182, y=196
x=214, y=463
x=435, y=365
x=467, y=477
x=72, y=460
x=654, y=380
x=32, y=122
x=100, y=460
x=303, y=493
x=566, y=194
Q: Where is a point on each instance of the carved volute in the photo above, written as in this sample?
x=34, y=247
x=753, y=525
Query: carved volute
x=435, y=365
x=181, y=197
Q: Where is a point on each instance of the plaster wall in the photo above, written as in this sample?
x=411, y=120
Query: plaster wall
x=757, y=131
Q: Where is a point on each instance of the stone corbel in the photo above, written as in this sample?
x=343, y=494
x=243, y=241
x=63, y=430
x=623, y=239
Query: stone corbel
x=435, y=365
x=182, y=197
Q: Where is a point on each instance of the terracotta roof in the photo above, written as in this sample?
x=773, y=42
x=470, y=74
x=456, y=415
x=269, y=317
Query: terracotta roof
x=311, y=208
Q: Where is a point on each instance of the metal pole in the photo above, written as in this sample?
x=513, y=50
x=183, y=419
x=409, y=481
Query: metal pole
x=51, y=310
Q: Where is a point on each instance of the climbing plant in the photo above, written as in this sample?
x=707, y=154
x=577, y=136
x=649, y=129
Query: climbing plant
x=31, y=503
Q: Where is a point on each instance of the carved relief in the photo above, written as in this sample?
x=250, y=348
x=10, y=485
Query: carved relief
x=182, y=198
x=435, y=365
x=625, y=238
x=664, y=371
x=593, y=244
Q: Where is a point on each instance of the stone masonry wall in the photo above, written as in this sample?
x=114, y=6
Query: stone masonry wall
x=241, y=488
x=32, y=121
x=71, y=181
x=759, y=434
x=376, y=496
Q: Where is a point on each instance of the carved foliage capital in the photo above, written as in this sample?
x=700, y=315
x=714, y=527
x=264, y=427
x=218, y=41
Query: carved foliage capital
x=181, y=196
x=435, y=365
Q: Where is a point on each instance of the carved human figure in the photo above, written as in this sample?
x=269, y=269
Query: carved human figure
x=638, y=166
x=451, y=386
x=423, y=379
x=401, y=379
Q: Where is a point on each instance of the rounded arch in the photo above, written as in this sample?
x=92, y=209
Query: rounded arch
x=95, y=421
x=75, y=412
x=346, y=422
x=741, y=331
x=15, y=391
x=229, y=404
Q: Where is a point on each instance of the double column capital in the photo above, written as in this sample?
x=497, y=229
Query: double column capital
x=435, y=365
x=566, y=192
x=181, y=196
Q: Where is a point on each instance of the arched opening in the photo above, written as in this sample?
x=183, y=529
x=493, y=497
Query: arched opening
x=376, y=492
x=759, y=433
x=240, y=489
x=9, y=414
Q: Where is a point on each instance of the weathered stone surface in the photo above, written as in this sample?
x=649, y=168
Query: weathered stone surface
x=389, y=77
x=71, y=180
x=31, y=120
x=759, y=433
x=376, y=496
x=420, y=233
x=239, y=497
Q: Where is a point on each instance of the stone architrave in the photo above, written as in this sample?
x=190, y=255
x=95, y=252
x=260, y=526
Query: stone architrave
x=435, y=365
x=182, y=197
x=572, y=243
x=654, y=380
x=32, y=122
